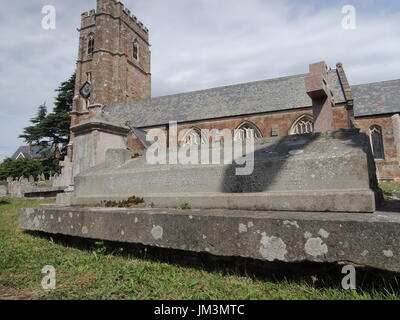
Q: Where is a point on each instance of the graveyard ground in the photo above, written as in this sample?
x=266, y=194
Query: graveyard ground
x=97, y=270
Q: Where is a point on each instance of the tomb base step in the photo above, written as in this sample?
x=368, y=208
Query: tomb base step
x=371, y=240
x=320, y=200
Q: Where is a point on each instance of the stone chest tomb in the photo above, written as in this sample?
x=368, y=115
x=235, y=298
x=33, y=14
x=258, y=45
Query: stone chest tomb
x=309, y=197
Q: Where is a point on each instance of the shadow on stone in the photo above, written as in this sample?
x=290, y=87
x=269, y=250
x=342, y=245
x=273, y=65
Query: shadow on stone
x=317, y=275
x=390, y=206
x=325, y=161
x=281, y=151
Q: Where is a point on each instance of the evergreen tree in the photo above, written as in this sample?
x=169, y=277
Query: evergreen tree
x=20, y=167
x=34, y=133
x=51, y=131
x=57, y=124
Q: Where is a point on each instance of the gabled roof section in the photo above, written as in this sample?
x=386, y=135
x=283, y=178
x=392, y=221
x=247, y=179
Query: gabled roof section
x=24, y=150
x=242, y=99
x=376, y=98
x=141, y=135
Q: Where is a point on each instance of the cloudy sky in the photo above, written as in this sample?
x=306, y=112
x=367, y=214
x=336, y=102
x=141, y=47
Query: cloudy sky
x=196, y=44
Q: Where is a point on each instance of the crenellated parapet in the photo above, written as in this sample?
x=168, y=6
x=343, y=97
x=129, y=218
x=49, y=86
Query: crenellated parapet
x=117, y=10
x=88, y=19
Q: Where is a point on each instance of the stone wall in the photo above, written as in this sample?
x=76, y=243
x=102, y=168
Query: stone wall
x=388, y=168
x=282, y=121
x=270, y=124
x=20, y=186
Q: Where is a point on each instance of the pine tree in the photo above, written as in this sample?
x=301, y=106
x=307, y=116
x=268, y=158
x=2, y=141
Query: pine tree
x=34, y=133
x=56, y=125
x=51, y=131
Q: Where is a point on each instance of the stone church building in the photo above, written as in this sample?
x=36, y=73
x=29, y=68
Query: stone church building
x=113, y=88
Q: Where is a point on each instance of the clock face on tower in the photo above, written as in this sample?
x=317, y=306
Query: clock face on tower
x=85, y=90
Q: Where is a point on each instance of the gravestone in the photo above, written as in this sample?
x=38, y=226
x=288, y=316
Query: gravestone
x=17, y=187
x=3, y=190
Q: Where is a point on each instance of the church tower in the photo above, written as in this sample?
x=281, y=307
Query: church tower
x=113, y=63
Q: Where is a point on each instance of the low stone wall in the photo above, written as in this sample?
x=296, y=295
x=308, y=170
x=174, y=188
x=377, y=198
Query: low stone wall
x=28, y=188
x=18, y=187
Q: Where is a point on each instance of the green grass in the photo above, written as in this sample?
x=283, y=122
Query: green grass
x=184, y=206
x=97, y=270
x=389, y=187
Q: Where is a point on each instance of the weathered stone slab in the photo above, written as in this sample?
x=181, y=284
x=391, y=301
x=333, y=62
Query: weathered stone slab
x=44, y=192
x=367, y=240
x=65, y=198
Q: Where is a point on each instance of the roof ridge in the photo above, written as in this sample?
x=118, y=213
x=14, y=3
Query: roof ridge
x=375, y=82
x=276, y=94
x=211, y=89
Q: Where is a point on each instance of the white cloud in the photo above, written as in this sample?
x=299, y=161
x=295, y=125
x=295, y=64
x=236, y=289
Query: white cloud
x=196, y=44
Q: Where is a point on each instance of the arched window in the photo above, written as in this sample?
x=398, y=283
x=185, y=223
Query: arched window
x=193, y=137
x=135, y=50
x=247, y=130
x=375, y=133
x=304, y=124
x=90, y=43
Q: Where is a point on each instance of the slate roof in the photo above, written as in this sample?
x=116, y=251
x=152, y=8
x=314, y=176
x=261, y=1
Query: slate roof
x=376, y=98
x=25, y=151
x=278, y=94
x=235, y=100
x=141, y=135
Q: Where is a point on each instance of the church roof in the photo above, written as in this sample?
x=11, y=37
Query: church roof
x=235, y=100
x=376, y=98
x=264, y=96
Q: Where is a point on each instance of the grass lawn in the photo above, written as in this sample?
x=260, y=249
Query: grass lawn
x=389, y=187
x=93, y=270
